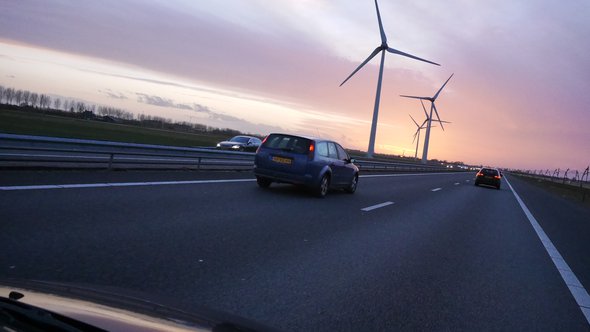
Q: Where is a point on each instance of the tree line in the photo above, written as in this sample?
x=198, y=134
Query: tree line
x=29, y=101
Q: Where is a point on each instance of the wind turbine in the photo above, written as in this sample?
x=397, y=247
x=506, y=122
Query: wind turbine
x=429, y=118
x=381, y=48
x=420, y=127
x=417, y=134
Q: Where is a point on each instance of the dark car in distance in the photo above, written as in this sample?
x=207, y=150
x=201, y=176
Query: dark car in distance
x=240, y=143
x=488, y=176
x=316, y=163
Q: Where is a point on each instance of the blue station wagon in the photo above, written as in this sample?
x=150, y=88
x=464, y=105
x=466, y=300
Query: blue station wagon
x=315, y=163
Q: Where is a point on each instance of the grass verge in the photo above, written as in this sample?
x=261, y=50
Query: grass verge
x=572, y=193
x=19, y=122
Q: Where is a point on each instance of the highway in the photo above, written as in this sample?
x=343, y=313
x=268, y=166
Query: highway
x=405, y=252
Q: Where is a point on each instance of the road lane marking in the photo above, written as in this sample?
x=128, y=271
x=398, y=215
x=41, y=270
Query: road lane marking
x=395, y=175
x=373, y=207
x=119, y=184
x=160, y=183
x=567, y=275
x=436, y=189
x=457, y=183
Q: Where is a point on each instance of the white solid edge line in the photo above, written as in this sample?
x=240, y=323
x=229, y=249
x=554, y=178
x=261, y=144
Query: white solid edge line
x=436, y=189
x=377, y=206
x=567, y=275
x=119, y=184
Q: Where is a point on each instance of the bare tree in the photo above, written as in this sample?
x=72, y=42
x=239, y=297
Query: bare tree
x=44, y=101
x=2, y=89
x=34, y=99
x=9, y=95
x=57, y=103
x=19, y=96
x=80, y=106
x=26, y=97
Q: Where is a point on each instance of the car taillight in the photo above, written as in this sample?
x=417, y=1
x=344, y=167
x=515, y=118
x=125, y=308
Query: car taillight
x=311, y=150
x=264, y=140
x=497, y=177
x=479, y=174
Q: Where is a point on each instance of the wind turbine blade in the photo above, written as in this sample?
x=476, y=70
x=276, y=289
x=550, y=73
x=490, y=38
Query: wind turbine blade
x=423, y=123
x=439, y=90
x=394, y=51
x=414, y=121
x=383, y=37
x=424, y=108
x=377, y=50
x=414, y=97
x=415, y=134
x=438, y=117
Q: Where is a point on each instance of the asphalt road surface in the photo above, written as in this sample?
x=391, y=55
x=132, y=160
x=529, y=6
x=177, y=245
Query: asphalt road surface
x=405, y=252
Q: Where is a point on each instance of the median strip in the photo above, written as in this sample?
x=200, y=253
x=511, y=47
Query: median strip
x=373, y=207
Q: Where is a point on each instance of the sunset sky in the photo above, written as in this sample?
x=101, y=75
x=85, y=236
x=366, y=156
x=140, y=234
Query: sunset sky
x=519, y=97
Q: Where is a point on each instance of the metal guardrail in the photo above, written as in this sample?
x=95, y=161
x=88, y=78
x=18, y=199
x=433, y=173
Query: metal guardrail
x=21, y=151
x=581, y=181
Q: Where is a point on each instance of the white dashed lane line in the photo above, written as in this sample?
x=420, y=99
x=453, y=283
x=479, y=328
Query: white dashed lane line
x=377, y=206
x=436, y=189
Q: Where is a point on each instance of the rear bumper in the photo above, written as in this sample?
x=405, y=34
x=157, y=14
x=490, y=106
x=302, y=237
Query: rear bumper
x=277, y=176
x=489, y=182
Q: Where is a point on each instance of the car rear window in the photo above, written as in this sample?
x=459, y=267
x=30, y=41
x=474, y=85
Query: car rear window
x=487, y=171
x=287, y=143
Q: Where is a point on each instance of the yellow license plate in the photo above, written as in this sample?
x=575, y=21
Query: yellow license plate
x=282, y=160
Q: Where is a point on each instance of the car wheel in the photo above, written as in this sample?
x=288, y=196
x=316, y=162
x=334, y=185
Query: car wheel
x=498, y=187
x=476, y=184
x=263, y=182
x=322, y=189
x=352, y=188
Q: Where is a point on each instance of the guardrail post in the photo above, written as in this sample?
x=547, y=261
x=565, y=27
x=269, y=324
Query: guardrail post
x=198, y=163
x=111, y=161
x=586, y=174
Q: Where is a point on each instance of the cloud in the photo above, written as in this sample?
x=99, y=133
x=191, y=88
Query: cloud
x=240, y=123
x=113, y=94
x=219, y=119
x=161, y=102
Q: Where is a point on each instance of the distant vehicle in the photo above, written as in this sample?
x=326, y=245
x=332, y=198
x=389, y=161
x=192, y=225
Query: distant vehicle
x=316, y=163
x=488, y=176
x=240, y=143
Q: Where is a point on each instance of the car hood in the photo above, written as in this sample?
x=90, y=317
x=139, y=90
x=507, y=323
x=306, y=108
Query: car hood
x=117, y=312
